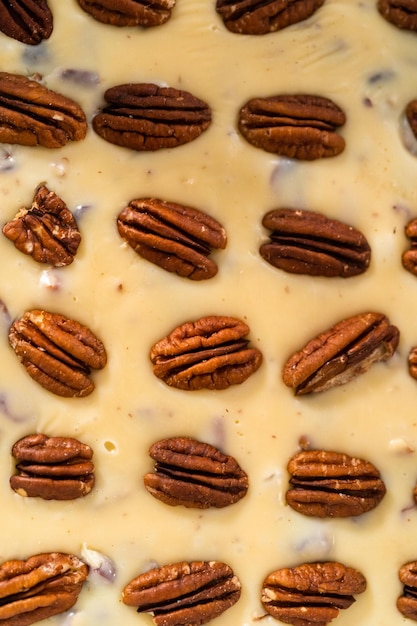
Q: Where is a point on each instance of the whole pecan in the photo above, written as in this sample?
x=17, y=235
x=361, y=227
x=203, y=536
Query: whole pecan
x=311, y=593
x=401, y=13
x=194, y=474
x=295, y=126
x=28, y=21
x=252, y=17
x=209, y=353
x=332, y=484
x=52, y=468
x=43, y=585
x=57, y=352
x=178, y=238
x=407, y=602
x=304, y=242
x=341, y=353
x=31, y=114
x=146, y=117
x=129, y=12
x=184, y=593
x=47, y=230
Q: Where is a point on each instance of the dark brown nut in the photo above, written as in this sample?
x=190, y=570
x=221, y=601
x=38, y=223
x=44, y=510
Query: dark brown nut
x=43, y=585
x=311, y=593
x=333, y=484
x=47, y=230
x=210, y=353
x=401, y=13
x=146, y=117
x=340, y=354
x=304, y=242
x=28, y=21
x=129, y=12
x=409, y=257
x=186, y=594
x=407, y=602
x=411, y=117
x=32, y=115
x=178, y=238
x=412, y=362
x=194, y=474
x=251, y=17
x=294, y=126
x=52, y=468
x=57, y=352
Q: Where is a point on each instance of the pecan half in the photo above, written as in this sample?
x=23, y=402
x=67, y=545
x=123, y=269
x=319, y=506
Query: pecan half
x=401, y=13
x=184, y=593
x=52, y=468
x=342, y=353
x=293, y=126
x=311, y=593
x=129, y=12
x=57, y=352
x=209, y=353
x=407, y=602
x=47, y=230
x=41, y=586
x=409, y=257
x=412, y=362
x=304, y=242
x=253, y=17
x=411, y=117
x=333, y=484
x=31, y=114
x=178, y=238
x=194, y=474
x=146, y=117
x=28, y=21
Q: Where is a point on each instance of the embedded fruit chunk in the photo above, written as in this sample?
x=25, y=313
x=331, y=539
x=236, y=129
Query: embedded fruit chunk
x=407, y=602
x=32, y=115
x=401, y=13
x=42, y=586
x=184, y=594
x=28, y=21
x=177, y=238
x=129, y=12
x=47, y=230
x=333, y=484
x=52, y=468
x=304, y=242
x=194, y=474
x=294, y=126
x=252, y=17
x=144, y=116
x=311, y=593
x=57, y=352
x=340, y=354
x=209, y=353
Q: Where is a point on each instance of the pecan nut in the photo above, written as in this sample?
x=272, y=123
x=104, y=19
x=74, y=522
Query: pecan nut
x=57, y=352
x=177, y=238
x=311, y=593
x=407, y=602
x=184, y=593
x=43, y=585
x=209, y=353
x=332, y=484
x=412, y=362
x=294, y=126
x=52, y=468
x=256, y=18
x=194, y=474
x=342, y=353
x=147, y=117
x=305, y=242
x=31, y=114
x=401, y=13
x=410, y=114
x=47, y=230
x=129, y=12
x=409, y=257
x=28, y=21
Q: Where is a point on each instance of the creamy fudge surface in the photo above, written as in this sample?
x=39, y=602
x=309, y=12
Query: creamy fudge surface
x=346, y=52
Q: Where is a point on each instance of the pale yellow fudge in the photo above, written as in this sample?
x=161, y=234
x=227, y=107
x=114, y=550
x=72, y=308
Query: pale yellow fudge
x=346, y=52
